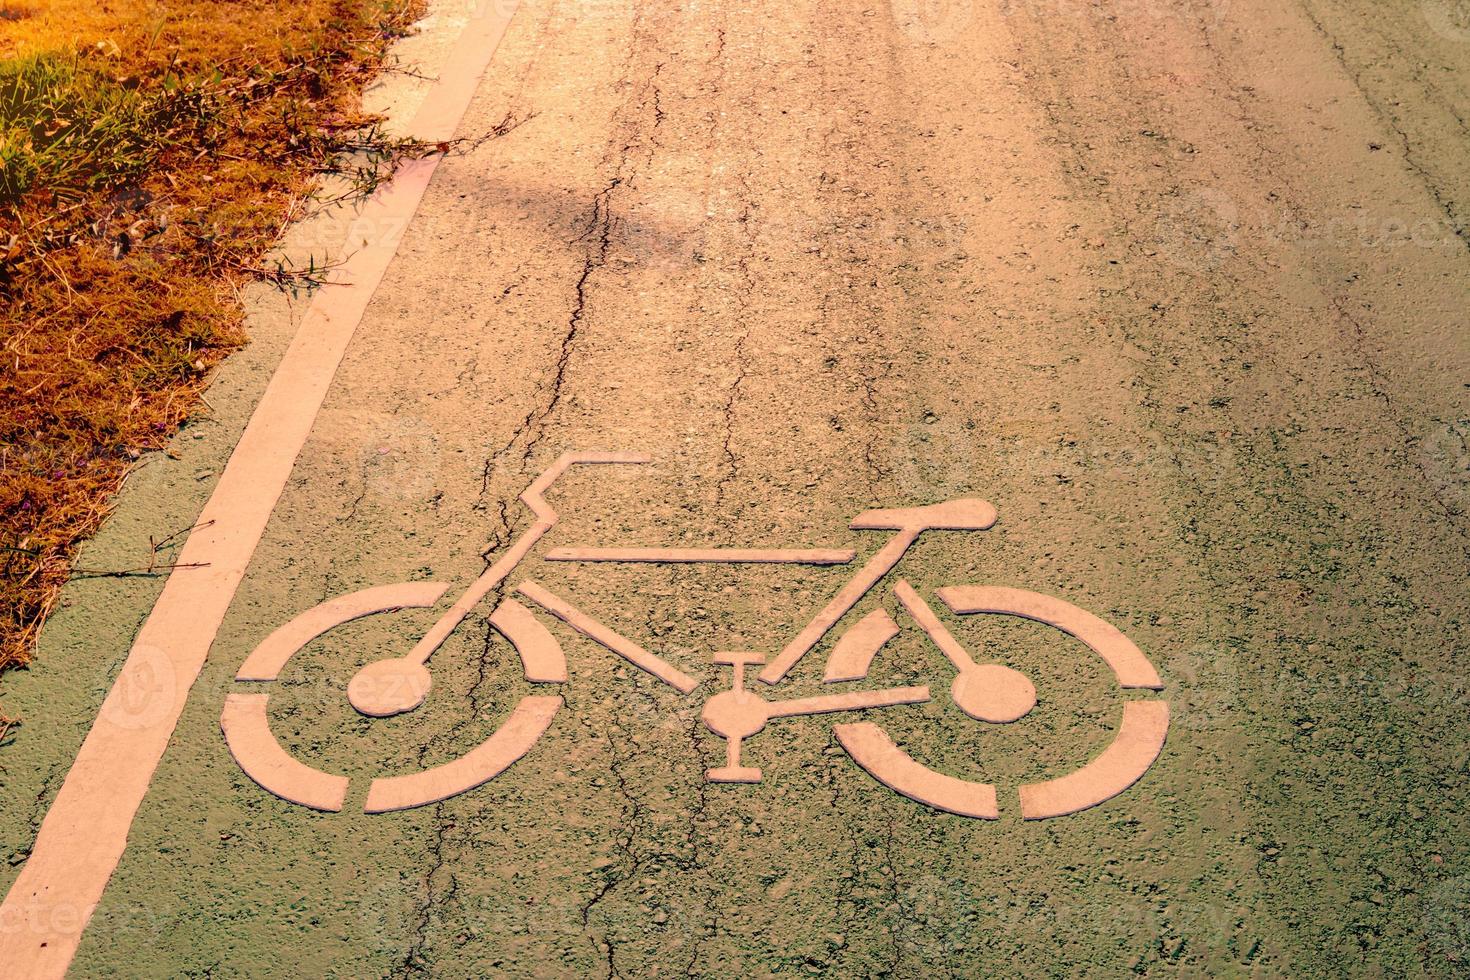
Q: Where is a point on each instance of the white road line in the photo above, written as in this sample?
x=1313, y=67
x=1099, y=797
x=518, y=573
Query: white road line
x=84, y=833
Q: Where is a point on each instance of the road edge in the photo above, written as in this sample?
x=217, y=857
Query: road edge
x=84, y=833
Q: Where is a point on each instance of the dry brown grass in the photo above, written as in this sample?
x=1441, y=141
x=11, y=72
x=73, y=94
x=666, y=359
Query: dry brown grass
x=117, y=276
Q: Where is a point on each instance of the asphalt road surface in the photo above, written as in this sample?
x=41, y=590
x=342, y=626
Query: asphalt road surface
x=1181, y=288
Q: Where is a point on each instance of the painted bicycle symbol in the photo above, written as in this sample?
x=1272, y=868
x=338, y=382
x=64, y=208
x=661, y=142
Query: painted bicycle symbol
x=989, y=693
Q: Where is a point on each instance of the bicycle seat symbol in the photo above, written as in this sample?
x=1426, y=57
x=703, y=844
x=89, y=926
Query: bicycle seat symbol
x=989, y=693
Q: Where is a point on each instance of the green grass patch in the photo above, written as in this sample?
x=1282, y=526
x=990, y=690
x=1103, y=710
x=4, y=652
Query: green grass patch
x=64, y=125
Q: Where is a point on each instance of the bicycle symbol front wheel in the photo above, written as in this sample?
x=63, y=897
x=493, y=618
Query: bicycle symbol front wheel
x=996, y=694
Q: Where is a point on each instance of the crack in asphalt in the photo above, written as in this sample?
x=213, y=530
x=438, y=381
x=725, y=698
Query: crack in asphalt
x=843, y=885
x=598, y=231
x=658, y=104
x=741, y=357
x=501, y=537
x=634, y=819
x=596, y=238
x=896, y=932
x=416, y=958
x=877, y=472
x=692, y=840
x=715, y=89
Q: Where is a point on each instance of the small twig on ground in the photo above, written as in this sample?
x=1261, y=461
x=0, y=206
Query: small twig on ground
x=155, y=545
x=141, y=572
x=165, y=542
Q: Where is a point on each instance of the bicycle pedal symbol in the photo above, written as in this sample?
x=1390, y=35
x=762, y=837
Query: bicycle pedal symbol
x=989, y=693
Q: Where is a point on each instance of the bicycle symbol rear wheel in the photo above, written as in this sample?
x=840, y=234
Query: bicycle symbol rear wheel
x=255, y=747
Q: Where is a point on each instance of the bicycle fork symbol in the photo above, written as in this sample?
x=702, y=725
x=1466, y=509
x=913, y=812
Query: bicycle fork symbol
x=986, y=692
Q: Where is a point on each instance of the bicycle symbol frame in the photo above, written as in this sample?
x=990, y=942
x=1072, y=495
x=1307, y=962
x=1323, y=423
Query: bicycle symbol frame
x=989, y=693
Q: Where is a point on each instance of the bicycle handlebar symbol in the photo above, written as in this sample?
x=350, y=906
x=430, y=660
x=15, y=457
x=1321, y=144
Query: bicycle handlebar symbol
x=989, y=693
